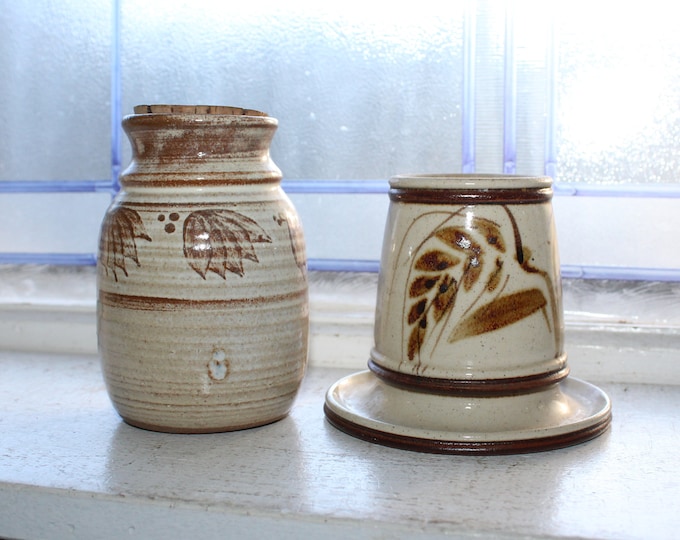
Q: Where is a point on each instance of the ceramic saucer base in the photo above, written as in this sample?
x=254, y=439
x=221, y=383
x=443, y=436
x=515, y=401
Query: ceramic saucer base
x=562, y=414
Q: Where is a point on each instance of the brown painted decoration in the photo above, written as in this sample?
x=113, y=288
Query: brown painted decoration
x=468, y=354
x=202, y=286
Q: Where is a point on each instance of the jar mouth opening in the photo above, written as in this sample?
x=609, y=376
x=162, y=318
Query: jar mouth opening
x=197, y=110
x=468, y=181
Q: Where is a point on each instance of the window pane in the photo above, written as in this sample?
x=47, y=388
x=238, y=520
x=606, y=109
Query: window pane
x=489, y=47
x=51, y=222
x=618, y=92
x=532, y=39
x=54, y=90
x=360, y=91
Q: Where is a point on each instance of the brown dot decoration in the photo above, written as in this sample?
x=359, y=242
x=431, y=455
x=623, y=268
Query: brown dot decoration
x=174, y=216
x=161, y=217
x=170, y=228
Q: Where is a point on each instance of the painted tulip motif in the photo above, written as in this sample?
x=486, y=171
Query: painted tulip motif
x=122, y=226
x=292, y=223
x=220, y=240
x=214, y=241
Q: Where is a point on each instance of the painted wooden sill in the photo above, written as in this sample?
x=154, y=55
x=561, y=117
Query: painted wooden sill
x=69, y=468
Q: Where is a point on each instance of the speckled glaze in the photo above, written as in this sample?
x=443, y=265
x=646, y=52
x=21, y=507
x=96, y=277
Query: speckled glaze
x=202, y=286
x=468, y=355
x=469, y=288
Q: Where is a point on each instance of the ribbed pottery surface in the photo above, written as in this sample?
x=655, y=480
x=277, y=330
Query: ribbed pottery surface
x=202, y=306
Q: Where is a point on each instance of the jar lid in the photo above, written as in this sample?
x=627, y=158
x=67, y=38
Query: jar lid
x=196, y=109
x=472, y=181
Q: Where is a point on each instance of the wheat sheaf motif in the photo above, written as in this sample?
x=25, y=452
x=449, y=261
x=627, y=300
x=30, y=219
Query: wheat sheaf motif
x=454, y=258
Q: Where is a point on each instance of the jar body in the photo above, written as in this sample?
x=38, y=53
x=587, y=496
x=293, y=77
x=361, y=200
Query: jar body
x=469, y=294
x=202, y=290
x=468, y=355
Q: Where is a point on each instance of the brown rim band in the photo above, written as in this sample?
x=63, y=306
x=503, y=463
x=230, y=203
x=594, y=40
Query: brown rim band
x=477, y=196
x=468, y=387
x=198, y=179
x=434, y=446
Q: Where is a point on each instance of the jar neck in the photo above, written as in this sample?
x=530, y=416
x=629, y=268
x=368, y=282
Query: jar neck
x=183, y=149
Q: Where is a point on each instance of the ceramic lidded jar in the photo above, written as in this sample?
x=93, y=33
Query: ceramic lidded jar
x=470, y=290
x=202, y=286
x=468, y=355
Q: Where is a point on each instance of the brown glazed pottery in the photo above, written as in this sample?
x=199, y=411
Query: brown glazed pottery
x=202, y=286
x=469, y=353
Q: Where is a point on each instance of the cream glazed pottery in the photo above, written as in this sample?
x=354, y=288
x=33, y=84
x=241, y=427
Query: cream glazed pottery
x=468, y=354
x=202, y=286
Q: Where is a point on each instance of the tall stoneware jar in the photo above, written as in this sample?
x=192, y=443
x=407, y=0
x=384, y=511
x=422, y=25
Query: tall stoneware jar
x=202, y=304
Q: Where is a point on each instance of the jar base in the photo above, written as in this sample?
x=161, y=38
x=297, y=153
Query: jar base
x=473, y=387
x=202, y=430
x=564, y=414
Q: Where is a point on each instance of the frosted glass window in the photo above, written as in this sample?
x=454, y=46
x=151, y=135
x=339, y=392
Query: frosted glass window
x=55, y=73
x=618, y=87
x=360, y=91
x=586, y=92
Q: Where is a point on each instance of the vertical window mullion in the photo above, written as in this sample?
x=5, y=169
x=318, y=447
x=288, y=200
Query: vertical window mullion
x=468, y=99
x=550, y=160
x=116, y=98
x=509, y=94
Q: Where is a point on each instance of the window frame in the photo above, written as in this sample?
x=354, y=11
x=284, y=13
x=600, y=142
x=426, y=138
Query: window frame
x=324, y=188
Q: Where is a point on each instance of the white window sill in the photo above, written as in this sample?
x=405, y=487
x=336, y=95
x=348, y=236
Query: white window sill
x=70, y=468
